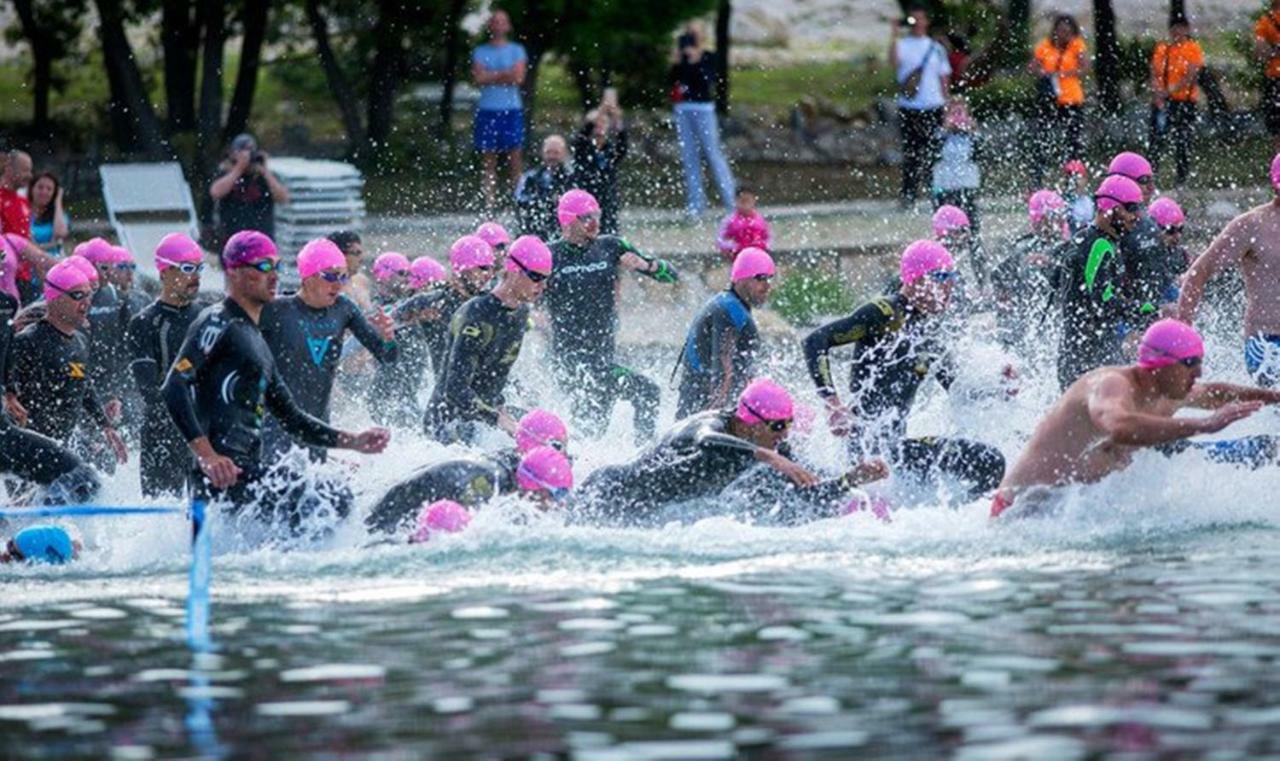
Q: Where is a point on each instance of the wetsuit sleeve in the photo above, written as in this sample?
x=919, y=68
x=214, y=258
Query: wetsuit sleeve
x=818, y=344
x=145, y=369
x=619, y=147
x=470, y=337
x=93, y=406
x=201, y=344
x=307, y=428
x=369, y=337
x=663, y=272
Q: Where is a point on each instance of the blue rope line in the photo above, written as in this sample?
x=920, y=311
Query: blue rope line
x=77, y=511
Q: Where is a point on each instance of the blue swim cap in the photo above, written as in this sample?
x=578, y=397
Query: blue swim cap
x=44, y=544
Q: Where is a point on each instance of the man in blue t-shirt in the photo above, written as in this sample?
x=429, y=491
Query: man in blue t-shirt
x=498, y=69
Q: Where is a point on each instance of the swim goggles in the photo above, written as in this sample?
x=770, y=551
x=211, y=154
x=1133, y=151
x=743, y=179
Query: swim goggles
x=557, y=493
x=942, y=276
x=534, y=277
x=265, y=266
x=777, y=426
x=335, y=277
x=73, y=295
x=186, y=268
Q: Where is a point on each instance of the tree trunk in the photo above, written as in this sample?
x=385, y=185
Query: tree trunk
x=452, y=51
x=1107, y=62
x=1177, y=10
x=1017, y=41
x=255, y=31
x=180, y=38
x=384, y=76
x=133, y=120
x=209, y=132
x=42, y=64
x=534, y=29
x=724, y=9
x=343, y=95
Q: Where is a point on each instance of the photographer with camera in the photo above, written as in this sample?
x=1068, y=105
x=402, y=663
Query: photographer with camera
x=246, y=191
x=693, y=83
x=922, y=71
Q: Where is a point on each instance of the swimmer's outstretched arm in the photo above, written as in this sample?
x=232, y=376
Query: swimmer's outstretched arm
x=1226, y=250
x=1211, y=396
x=1112, y=410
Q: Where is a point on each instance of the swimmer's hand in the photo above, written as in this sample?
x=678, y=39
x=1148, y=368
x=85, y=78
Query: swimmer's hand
x=371, y=441
x=117, y=444
x=866, y=472
x=113, y=408
x=221, y=471
x=839, y=418
x=15, y=410
x=798, y=475
x=383, y=323
x=632, y=262
x=507, y=423
x=1228, y=414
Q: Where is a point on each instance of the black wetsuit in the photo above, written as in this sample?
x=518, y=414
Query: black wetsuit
x=307, y=346
x=696, y=459
x=724, y=326
x=894, y=353
x=537, y=194
x=466, y=481
x=31, y=456
x=108, y=324
x=1023, y=290
x=1095, y=307
x=155, y=335
x=485, y=342
x=221, y=385
x=1153, y=271
x=582, y=301
x=51, y=374
x=423, y=335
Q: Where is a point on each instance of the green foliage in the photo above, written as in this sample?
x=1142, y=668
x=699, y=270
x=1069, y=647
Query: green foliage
x=806, y=293
x=1004, y=96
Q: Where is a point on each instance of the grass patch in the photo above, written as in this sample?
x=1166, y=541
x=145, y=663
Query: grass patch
x=851, y=87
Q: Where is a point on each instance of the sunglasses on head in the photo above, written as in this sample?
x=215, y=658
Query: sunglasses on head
x=73, y=295
x=777, y=426
x=265, y=266
x=186, y=268
x=335, y=277
x=534, y=277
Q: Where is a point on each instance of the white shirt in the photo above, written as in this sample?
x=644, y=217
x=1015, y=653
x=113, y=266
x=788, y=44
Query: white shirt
x=911, y=53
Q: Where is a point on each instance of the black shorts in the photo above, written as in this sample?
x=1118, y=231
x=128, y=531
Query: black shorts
x=1271, y=104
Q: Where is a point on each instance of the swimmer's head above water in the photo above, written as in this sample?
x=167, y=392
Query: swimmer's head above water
x=752, y=275
x=579, y=215
x=1173, y=352
x=41, y=544
x=765, y=413
x=1119, y=202
x=928, y=273
x=545, y=474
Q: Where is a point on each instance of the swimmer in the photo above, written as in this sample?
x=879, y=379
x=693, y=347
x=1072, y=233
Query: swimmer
x=108, y=322
x=498, y=239
x=425, y=273
x=486, y=335
x=1023, y=283
x=1095, y=306
x=1154, y=279
x=952, y=228
x=897, y=347
x=358, y=287
x=1250, y=242
x=225, y=379
x=41, y=544
x=582, y=303
x=155, y=334
x=702, y=455
x=1110, y=413
x=543, y=474
x=390, y=278
x=721, y=345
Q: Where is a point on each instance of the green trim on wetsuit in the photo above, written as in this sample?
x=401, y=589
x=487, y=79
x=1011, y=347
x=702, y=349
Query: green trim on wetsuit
x=1097, y=255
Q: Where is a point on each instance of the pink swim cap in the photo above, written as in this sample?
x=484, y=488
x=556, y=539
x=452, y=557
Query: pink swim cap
x=85, y=266
x=764, y=401
x=424, y=271
x=177, y=248
x=574, y=204
x=94, y=251
x=1043, y=203
x=1117, y=190
x=1131, y=165
x=750, y=262
x=62, y=277
x=469, y=252
x=540, y=428
x=494, y=234
x=1167, y=342
x=1166, y=212
x=921, y=258
x=318, y=255
x=390, y=265
x=441, y=517
x=247, y=247
x=120, y=255
x=948, y=219
x=545, y=469
x=1275, y=172
x=530, y=251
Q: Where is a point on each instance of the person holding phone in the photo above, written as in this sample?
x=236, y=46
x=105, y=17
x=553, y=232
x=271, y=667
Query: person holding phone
x=246, y=191
x=599, y=147
x=693, y=79
x=923, y=73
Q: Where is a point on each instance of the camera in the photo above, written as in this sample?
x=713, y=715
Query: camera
x=258, y=157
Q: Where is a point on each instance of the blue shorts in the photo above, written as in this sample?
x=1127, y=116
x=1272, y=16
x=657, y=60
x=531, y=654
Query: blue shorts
x=1262, y=359
x=496, y=131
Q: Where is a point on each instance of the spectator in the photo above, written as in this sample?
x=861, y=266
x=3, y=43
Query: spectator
x=540, y=189
x=693, y=74
x=956, y=176
x=50, y=224
x=1060, y=60
x=246, y=191
x=599, y=147
x=1266, y=46
x=923, y=75
x=498, y=69
x=1175, y=67
x=15, y=211
x=744, y=228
